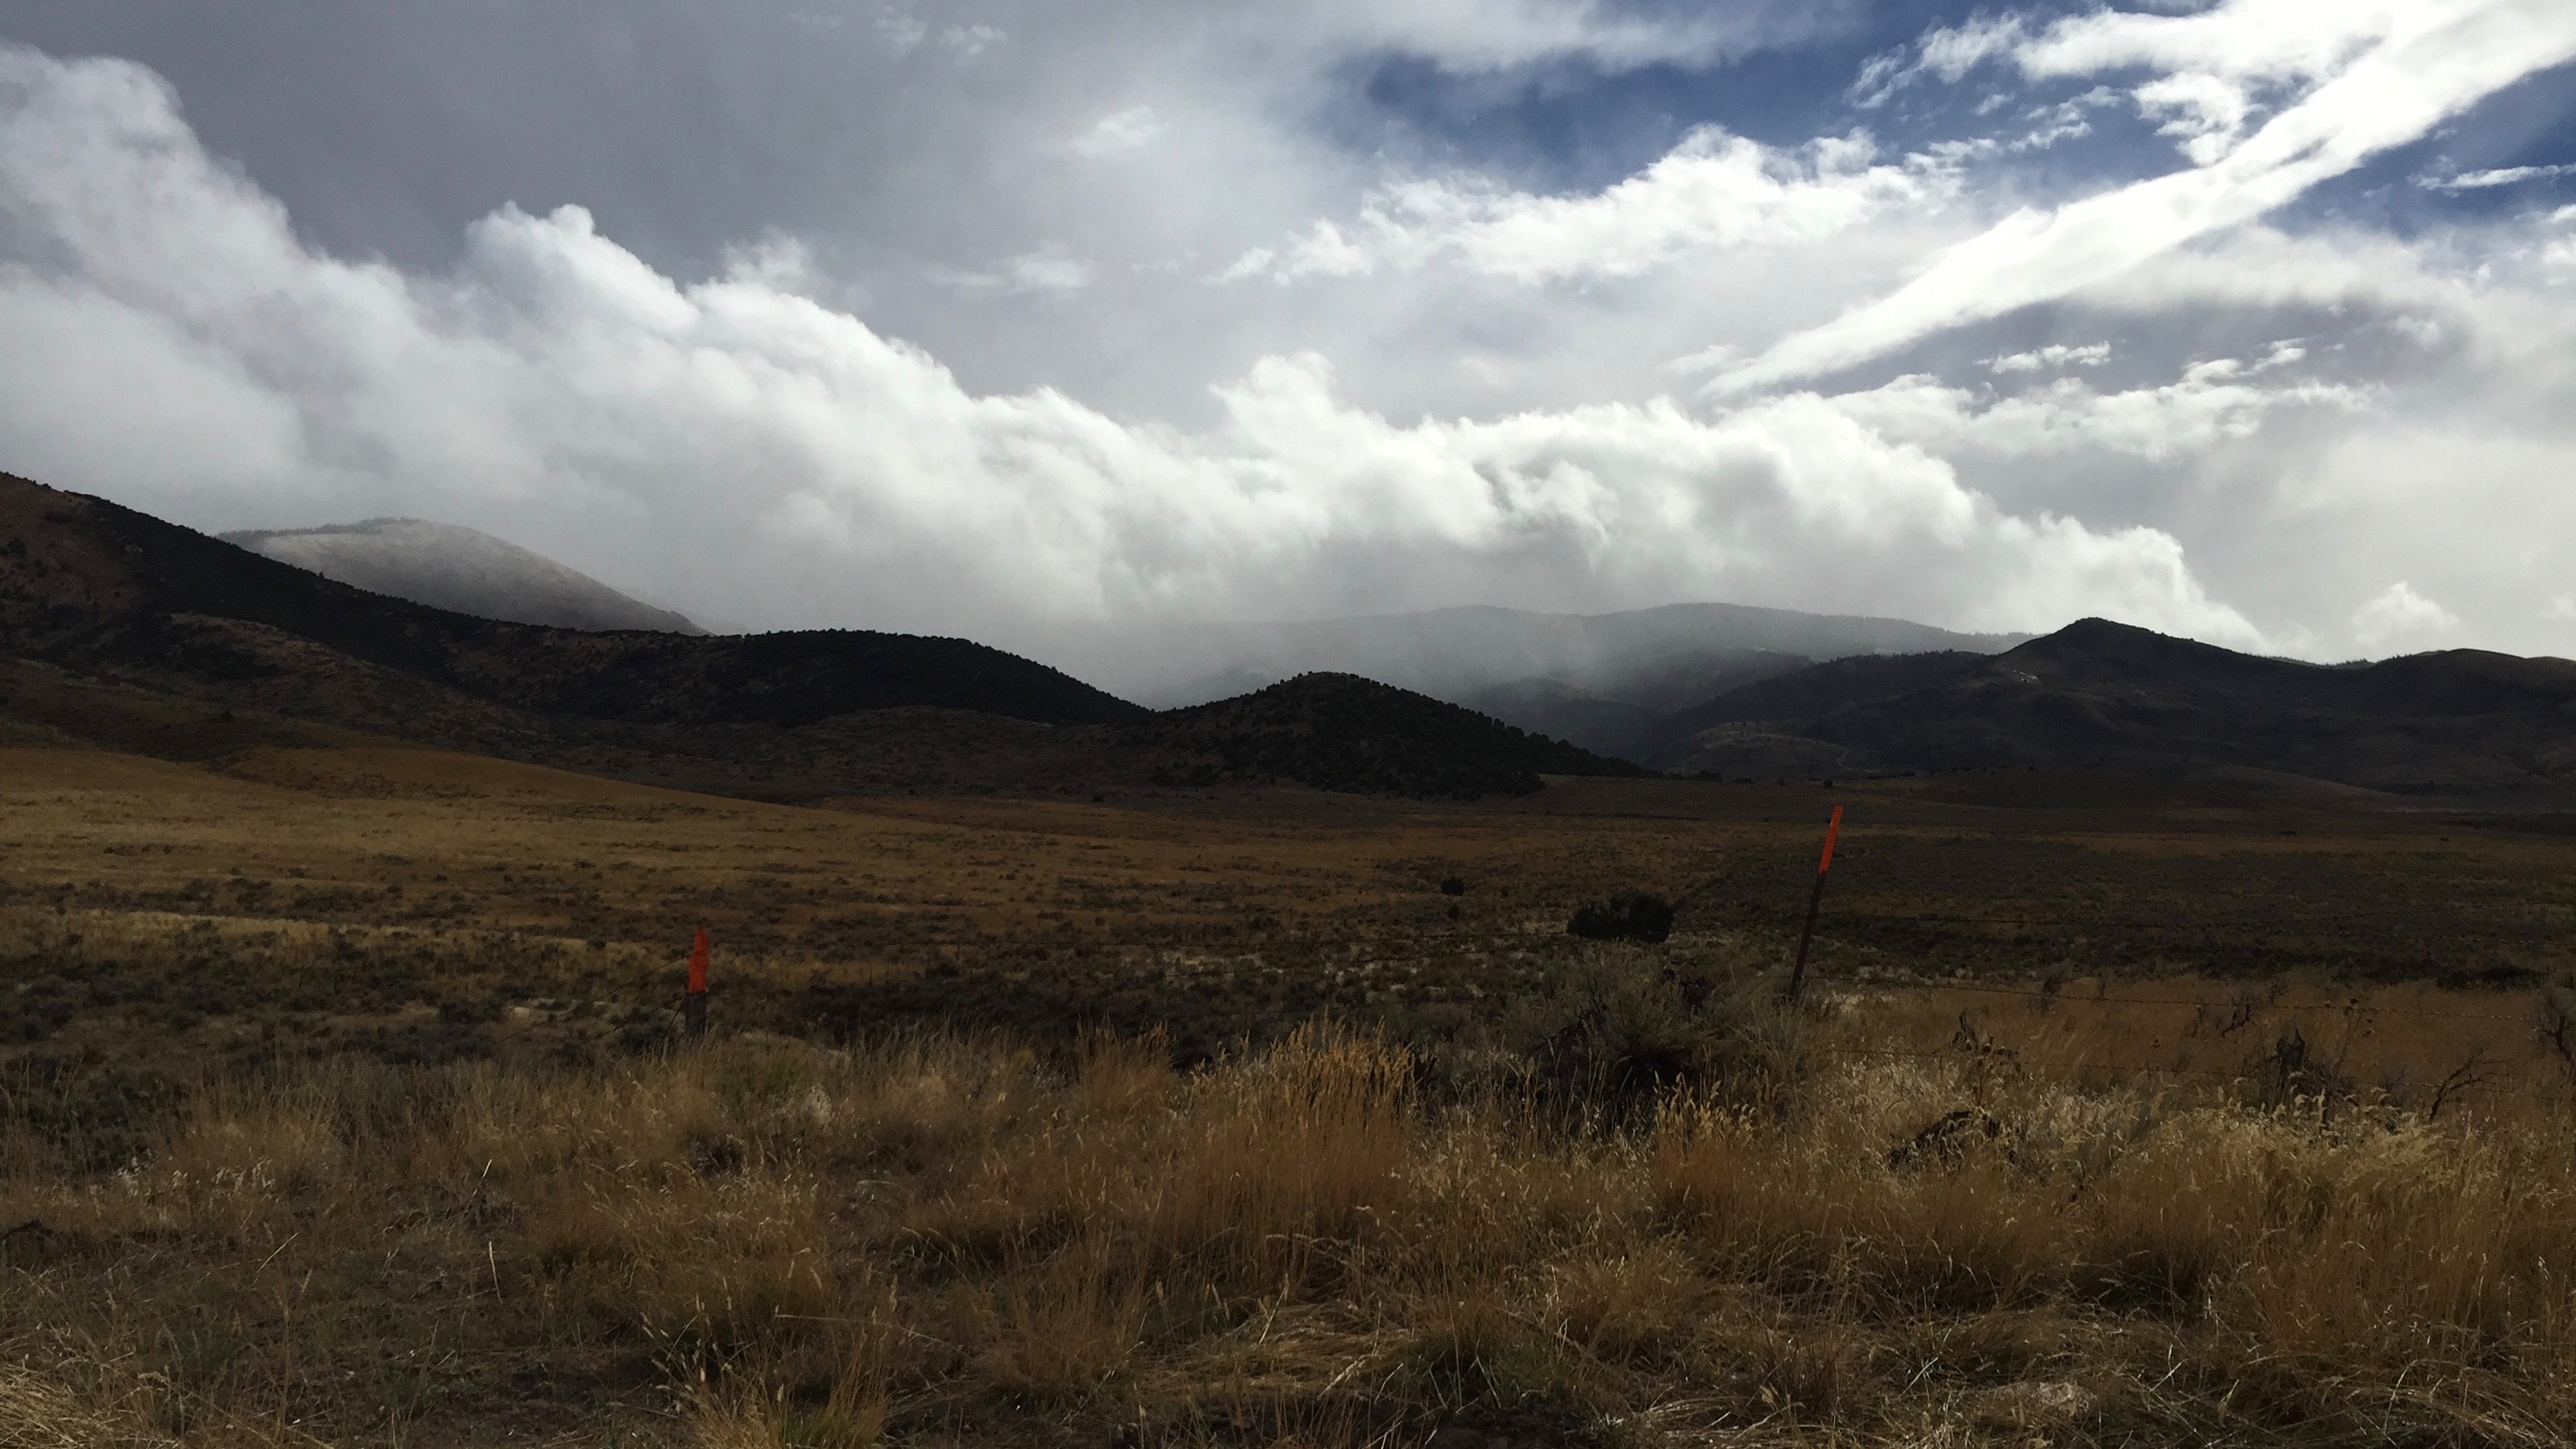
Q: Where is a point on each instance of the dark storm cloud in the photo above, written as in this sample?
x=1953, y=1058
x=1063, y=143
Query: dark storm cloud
x=388, y=128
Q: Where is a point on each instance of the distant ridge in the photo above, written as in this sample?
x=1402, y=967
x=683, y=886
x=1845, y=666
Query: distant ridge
x=1453, y=652
x=2099, y=694
x=1597, y=680
x=462, y=570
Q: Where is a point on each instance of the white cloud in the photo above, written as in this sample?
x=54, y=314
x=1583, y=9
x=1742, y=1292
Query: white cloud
x=2400, y=615
x=970, y=41
x=2244, y=42
x=2054, y=355
x=2212, y=402
x=901, y=29
x=1483, y=35
x=2481, y=180
x=1881, y=76
x=2065, y=121
x=1043, y=441
x=1251, y=264
x=2562, y=609
x=2378, y=77
x=1713, y=192
x=2559, y=252
x=1038, y=271
x=1048, y=272
x=1951, y=53
x=1118, y=134
x=2206, y=111
x=759, y=455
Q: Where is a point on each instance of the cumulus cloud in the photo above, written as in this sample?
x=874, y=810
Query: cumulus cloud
x=2400, y=615
x=1713, y=192
x=735, y=447
x=2366, y=78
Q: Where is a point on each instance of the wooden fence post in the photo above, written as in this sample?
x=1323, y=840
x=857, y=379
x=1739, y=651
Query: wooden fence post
x=1815, y=899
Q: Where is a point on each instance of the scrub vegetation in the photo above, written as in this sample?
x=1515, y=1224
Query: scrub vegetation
x=342, y=1101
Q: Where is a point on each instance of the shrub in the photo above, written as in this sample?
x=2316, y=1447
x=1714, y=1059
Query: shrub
x=1626, y=916
x=1620, y=1027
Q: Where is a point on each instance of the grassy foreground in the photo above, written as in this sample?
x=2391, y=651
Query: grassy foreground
x=339, y=1105
x=1330, y=1241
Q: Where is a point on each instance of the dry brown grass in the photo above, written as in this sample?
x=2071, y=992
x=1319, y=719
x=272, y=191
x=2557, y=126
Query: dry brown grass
x=362, y=1124
x=937, y=1242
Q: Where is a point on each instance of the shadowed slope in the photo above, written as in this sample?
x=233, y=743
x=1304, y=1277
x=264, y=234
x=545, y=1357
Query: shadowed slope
x=1342, y=732
x=88, y=583
x=2100, y=693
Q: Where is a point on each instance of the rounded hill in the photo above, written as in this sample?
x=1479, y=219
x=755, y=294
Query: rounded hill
x=1342, y=732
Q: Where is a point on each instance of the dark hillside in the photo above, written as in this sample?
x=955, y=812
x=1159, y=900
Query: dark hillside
x=1342, y=732
x=2470, y=681
x=88, y=583
x=139, y=634
x=1822, y=688
x=2099, y=694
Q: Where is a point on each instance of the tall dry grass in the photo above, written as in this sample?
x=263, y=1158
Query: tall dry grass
x=943, y=1241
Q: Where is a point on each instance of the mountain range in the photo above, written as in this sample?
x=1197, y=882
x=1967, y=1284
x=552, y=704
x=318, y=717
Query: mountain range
x=126, y=630
x=1605, y=682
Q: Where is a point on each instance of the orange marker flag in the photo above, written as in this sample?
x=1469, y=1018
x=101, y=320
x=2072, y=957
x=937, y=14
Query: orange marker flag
x=1815, y=899
x=698, y=956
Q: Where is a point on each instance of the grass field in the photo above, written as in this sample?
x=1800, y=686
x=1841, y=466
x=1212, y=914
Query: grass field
x=341, y=1101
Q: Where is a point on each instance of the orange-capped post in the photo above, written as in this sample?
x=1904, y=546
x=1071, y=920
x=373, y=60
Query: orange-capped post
x=1815, y=899
x=694, y=1007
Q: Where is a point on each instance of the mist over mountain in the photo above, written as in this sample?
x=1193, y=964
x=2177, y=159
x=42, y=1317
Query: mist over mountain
x=1597, y=680
x=108, y=591
x=124, y=630
x=462, y=570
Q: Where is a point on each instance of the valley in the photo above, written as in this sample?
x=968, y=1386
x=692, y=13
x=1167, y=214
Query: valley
x=1218, y=915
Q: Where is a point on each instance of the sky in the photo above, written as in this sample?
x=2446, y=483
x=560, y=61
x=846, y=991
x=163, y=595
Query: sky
x=2253, y=321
